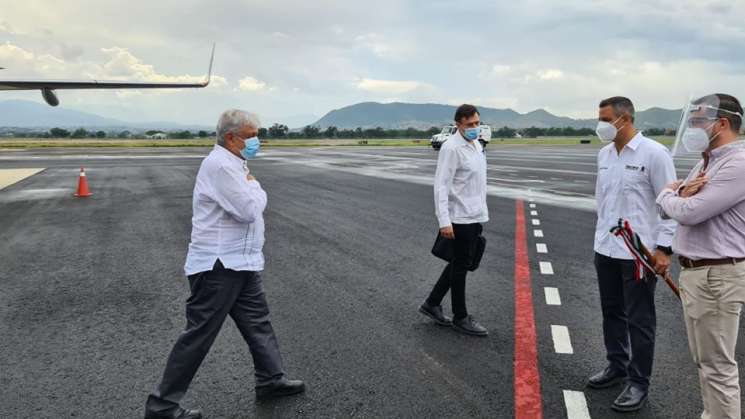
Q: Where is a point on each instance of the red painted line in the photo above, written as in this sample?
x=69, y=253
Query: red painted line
x=528, y=403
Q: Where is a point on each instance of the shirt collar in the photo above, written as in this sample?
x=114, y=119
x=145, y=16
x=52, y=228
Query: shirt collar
x=462, y=141
x=726, y=149
x=459, y=138
x=634, y=143
x=232, y=158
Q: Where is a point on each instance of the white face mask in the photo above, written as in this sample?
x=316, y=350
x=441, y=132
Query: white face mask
x=696, y=140
x=606, y=131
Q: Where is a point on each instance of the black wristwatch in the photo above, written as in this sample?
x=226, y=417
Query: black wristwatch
x=666, y=250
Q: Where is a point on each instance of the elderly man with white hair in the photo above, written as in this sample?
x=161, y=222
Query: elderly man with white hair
x=223, y=265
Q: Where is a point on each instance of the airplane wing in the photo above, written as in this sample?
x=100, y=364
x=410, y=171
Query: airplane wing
x=48, y=87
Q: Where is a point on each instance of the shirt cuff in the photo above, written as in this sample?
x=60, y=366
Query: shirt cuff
x=664, y=194
x=444, y=221
x=665, y=241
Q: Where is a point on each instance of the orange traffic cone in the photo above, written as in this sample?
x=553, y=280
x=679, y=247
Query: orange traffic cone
x=82, y=185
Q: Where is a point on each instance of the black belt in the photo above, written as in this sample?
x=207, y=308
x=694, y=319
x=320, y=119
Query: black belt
x=690, y=263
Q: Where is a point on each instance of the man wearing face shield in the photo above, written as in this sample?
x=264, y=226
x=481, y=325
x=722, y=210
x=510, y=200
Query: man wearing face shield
x=223, y=266
x=632, y=170
x=460, y=207
x=710, y=242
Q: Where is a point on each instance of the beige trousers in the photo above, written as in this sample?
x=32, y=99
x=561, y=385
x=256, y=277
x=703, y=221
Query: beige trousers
x=713, y=297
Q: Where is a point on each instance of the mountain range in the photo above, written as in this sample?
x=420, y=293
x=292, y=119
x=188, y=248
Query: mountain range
x=422, y=116
x=28, y=114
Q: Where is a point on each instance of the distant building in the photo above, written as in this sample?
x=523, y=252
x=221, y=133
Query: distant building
x=157, y=136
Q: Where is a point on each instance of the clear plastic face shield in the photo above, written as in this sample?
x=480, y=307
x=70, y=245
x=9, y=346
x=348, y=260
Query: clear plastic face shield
x=699, y=126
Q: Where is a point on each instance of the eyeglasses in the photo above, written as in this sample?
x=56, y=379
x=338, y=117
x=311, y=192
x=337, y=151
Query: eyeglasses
x=700, y=120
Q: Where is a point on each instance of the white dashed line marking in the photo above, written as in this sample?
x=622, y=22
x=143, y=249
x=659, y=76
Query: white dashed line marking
x=532, y=205
x=552, y=296
x=536, y=222
x=533, y=212
x=576, y=405
x=537, y=233
x=562, y=343
x=546, y=268
x=541, y=248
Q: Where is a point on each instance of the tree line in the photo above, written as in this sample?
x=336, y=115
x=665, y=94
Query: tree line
x=280, y=131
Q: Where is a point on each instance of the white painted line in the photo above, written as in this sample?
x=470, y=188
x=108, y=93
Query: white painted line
x=537, y=233
x=11, y=176
x=536, y=222
x=533, y=212
x=546, y=268
x=552, y=296
x=532, y=205
x=541, y=248
x=576, y=405
x=562, y=343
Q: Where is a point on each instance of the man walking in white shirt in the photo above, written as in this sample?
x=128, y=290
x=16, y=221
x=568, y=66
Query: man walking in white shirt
x=223, y=265
x=632, y=171
x=460, y=206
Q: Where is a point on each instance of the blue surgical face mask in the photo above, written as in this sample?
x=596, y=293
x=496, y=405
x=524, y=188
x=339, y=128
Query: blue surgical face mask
x=471, y=134
x=251, y=148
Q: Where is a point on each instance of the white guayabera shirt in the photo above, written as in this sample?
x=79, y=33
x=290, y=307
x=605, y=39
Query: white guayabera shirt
x=228, y=220
x=627, y=187
x=460, y=183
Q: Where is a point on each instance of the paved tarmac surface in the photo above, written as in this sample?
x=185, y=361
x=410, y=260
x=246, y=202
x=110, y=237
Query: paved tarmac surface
x=93, y=289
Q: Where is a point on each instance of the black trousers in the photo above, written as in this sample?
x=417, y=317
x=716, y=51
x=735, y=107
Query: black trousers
x=216, y=294
x=453, y=277
x=629, y=318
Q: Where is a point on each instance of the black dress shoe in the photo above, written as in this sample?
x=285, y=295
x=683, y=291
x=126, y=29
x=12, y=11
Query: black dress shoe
x=281, y=388
x=632, y=398
x=608, y=377
x=435, y=313
x=178, y=413
x=469, y=326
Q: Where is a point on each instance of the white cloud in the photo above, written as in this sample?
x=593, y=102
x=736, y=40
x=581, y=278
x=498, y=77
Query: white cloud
x=122, y=64
x=383, y=47
x=251, y=84
x=4, y=27
x=389, y=87
x=119, y=65
x=550, y=74
x=500, y=69
x=374, y=43
x=10, y=52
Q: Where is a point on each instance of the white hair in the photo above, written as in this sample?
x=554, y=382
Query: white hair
x=233, y=120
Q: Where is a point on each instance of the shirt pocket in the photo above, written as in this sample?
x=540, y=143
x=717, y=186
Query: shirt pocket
x=604, y=179
x=636, y=193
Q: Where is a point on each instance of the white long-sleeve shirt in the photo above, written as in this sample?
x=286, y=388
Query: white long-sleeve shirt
x=460, y=183
x=228, y=221
x=627, y=187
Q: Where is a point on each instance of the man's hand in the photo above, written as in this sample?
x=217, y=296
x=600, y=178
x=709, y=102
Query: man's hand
x=250, y=177
x=694, y=186
x=675, y=185
x=447, y=232
x=662, y=262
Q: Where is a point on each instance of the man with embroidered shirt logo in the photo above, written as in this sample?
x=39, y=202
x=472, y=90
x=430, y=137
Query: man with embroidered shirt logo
x=710, y=242
x=223, y=265
x=632, y=170
x=460, y=207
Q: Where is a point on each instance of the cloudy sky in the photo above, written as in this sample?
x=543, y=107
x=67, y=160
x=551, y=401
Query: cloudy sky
x=293, y=61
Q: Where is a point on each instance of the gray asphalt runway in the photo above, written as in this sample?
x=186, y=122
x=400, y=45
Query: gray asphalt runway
x=93, y=290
